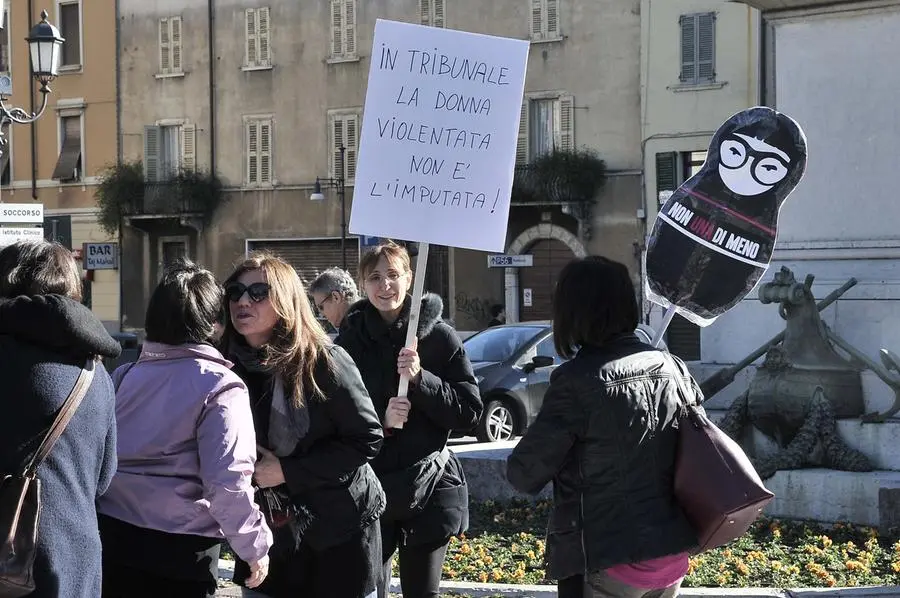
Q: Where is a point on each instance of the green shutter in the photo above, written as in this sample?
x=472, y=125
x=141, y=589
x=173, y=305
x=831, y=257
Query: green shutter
x=59, y=229
x=666, y=172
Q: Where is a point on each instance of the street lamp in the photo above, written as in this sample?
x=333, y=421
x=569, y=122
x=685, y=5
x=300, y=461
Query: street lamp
x=340, y=183
x=45, y=45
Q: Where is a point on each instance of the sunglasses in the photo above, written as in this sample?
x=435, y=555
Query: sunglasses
x=256, y=291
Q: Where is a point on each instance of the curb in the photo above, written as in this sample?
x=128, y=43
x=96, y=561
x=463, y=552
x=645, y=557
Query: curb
x=484, y=590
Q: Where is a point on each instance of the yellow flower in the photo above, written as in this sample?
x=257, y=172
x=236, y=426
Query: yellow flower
x=465, y=549
x=530, y=555
x=776, y=565
x=497, y=574
x=488, y=559
x=825, y=540
x=483, y=577
x=742, y=568
x=776, y=534
x=514, y=547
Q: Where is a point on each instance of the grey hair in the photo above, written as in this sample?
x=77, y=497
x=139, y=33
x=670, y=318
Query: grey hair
x=335, y=279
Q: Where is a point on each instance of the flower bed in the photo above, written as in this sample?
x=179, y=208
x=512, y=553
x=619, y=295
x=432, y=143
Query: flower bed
x=505, y=544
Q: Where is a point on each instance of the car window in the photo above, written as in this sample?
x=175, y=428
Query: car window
x=498, y=344
x=545, y=348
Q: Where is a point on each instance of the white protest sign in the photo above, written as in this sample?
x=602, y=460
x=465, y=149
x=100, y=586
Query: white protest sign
x=438, y=143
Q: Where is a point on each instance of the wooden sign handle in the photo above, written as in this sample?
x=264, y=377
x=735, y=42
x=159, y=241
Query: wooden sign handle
x=414, y=309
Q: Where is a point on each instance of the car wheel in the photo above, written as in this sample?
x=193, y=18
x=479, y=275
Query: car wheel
x=498, y=423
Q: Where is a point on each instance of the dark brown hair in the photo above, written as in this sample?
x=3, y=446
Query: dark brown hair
x=38, y=268
x=395, y=254
x=298, y=342
x=595, y=300
x=185, y=307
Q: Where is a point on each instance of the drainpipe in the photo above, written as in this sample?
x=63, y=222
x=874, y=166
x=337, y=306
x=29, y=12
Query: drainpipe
x=212, y=86
x=119, y=149
x=119, y=156
x=34, y=193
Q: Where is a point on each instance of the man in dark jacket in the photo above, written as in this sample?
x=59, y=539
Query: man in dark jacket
x=46, y=336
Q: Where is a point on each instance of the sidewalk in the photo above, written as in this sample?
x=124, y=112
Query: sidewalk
x=490, y=590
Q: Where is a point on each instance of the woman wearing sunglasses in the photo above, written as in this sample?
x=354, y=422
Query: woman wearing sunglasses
x=317, y=429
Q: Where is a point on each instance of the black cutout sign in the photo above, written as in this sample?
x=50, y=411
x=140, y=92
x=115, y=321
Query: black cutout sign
x=713, y=238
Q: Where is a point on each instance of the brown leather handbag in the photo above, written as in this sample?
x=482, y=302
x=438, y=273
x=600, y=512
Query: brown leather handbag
x=20, y=501
x=716, y=485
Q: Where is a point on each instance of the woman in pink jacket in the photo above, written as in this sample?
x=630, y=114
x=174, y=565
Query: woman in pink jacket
x=186, y=451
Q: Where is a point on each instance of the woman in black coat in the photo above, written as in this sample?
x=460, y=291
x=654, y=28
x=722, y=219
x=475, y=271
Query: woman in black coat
x=606, y=437
x=46, y=336
x=318, y=431
x=425, y=486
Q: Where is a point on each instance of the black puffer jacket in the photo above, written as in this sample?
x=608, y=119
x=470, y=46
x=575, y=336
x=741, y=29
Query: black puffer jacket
x=445, y=399
x=606, y=437
x=328, y=475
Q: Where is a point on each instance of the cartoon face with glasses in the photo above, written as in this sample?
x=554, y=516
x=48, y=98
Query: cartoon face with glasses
x=749, y=166
x=714, y=237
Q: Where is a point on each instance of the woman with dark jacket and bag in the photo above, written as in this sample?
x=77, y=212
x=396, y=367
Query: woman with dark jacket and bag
x=606, y=436
x=46, y=338
x=425, y=486
x=317, y=429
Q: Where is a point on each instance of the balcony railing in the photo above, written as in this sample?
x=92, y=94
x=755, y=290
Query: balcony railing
x=160, y=199
x=559, y=177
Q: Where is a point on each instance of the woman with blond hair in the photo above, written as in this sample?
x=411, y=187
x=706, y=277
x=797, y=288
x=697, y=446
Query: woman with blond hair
x=317, y=429
x=426, y=490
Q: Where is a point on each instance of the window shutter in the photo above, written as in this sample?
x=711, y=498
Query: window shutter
x=425, y=12
x=352, y=146
x=165, y=56
x=688, y=48
x=251, y=37
x=666, y=172
x=265, y=152
x=350, y=27
x=151, y=153
x=438, y=13
x=566, y=123
x=552, y=18
x=252, y=153
x=537, y=19
x=176, y=43
x=706, y=47
x=337, y=138
x=683, y=339
x=188, y=148
x=522, y=152
x=262, y=19
x=337, y=32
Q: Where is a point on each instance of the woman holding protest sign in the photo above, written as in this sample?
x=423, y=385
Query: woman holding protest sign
x=318, y=431
x=427, y=496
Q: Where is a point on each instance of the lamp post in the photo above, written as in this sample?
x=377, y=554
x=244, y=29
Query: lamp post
x=339, y=182
x=45, y=49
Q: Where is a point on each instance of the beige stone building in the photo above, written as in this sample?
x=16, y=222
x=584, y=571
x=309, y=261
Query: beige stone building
x=262, y=92
x=700, y=65
x=57, y=160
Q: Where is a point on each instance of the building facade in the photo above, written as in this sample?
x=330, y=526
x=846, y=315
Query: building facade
x=700, y=65
x=58, y=160
x=825, y=65
x=264, y=92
